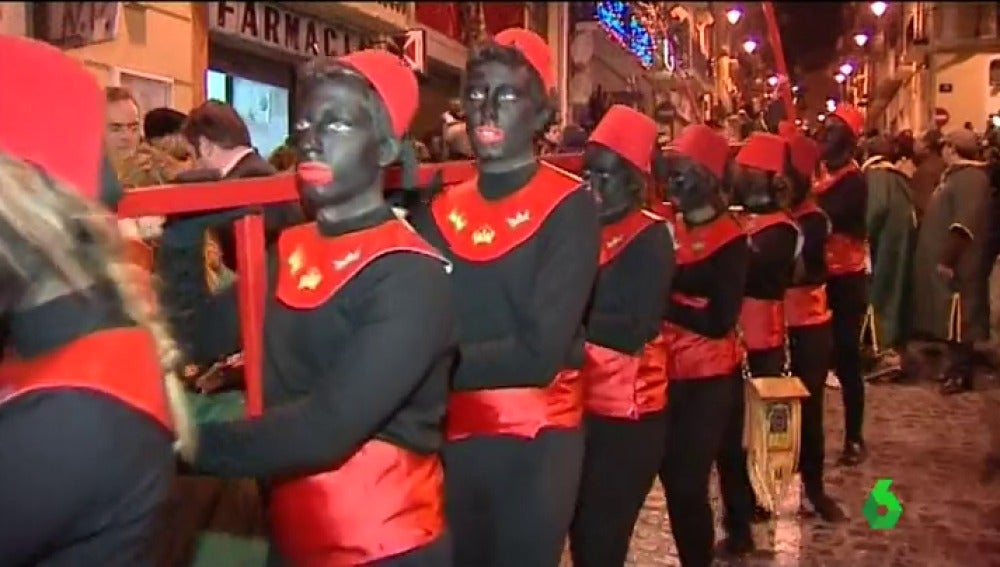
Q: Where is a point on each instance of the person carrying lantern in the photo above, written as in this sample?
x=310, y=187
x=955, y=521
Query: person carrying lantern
x=807, y=316
x=703, y=347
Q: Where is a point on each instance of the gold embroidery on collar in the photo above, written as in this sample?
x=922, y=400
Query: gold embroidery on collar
x=483, y=236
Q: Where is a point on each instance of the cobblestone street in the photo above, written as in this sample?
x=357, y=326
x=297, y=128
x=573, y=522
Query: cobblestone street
x=932, y=447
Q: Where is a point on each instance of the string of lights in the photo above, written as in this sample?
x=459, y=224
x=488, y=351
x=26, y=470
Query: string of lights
x=625, y=27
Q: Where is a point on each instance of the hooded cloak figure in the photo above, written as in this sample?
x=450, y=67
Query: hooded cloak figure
x=90, y=398
x=703, y=349
x=842, y=194
x=524, y=239
x=950, y=272
x=625, y=379
x=807, y=317
x=340, y=411
x=892, y=225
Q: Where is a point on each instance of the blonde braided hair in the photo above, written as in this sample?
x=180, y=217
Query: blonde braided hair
x=81, y=244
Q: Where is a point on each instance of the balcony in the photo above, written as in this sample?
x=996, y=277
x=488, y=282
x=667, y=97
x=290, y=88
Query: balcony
x=963, y=26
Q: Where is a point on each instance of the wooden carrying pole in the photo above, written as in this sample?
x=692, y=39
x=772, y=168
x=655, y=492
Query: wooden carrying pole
x=774, y=35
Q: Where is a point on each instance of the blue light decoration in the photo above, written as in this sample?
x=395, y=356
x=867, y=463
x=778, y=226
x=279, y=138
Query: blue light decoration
x=627, y=30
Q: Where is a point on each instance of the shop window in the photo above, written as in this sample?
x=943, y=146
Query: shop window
x=264, y=108
x=217, y=86
x=995, y=73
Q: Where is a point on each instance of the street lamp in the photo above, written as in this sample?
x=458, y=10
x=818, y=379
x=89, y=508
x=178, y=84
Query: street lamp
x=749, y=46
x=733, y=16
x=772, y=80
x=821, y=117
x=846, y=69
x=840, y=78
x=831, y=105
x=860, y=39
x=879, y=8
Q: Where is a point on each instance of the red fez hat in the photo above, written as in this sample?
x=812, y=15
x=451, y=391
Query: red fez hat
x=851, y=116
x=705, y=146
x=394, y=82
x=805, y=154
x=34, y=76
x=786, y=128
x=533, y=48
x=763, y=151
x=627, y=132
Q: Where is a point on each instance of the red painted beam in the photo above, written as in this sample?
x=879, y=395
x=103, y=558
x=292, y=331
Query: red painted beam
x=215, y=195
x=774, y=34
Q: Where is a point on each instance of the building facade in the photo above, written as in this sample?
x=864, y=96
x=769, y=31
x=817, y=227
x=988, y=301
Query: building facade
x=179, y=54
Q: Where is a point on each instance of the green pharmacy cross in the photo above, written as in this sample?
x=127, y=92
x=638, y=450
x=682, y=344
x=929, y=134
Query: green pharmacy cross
x=882, y=509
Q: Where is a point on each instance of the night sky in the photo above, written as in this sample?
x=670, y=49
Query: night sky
x=809, y=32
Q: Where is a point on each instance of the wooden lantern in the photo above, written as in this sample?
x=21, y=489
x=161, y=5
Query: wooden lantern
x=772, y=435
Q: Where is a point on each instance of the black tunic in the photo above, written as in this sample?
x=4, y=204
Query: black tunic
x=845, y=203
x=372, y=362
x=814, y=227
x=521, y=315
x=772, y=260
x=631, y=292
x=721, y=279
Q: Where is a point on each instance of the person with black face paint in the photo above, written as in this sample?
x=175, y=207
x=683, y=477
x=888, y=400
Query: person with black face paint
x=625, y=375
x=807, y=316
x=89, y=400
x=843, y=196
x=524, y=239
x=760, y=186
x=703, y=349
x=351, y=428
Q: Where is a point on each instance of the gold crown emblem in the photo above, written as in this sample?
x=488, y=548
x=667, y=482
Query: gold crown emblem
x=613, y=242
x=310, y=280
x=295, y=261
x=457, y=221
x=484, y=235
x=347, y=260
x=518, y=219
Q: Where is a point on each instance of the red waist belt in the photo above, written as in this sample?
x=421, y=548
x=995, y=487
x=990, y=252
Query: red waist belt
x=762, y=322
x=844, y=255
x=122, y=363
x=806, y=305
x=382, y=502
x=625, y=386
x=521, y=412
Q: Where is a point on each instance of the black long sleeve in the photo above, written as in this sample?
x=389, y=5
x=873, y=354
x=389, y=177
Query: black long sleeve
x=845, y=203
x=401, y=321
x=551, y=317
x=813, y=257
x=631, y=292
x=722, y=280
x=772, y=258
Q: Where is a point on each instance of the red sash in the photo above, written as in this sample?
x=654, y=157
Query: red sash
x=122, y=363
x=806, y=306
x=616, y=237
x=479, y=230
x=520, y=412
x=384, y=500
x=690, y=355
x=626, y=386
x=844, y=254
x=762, y=321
